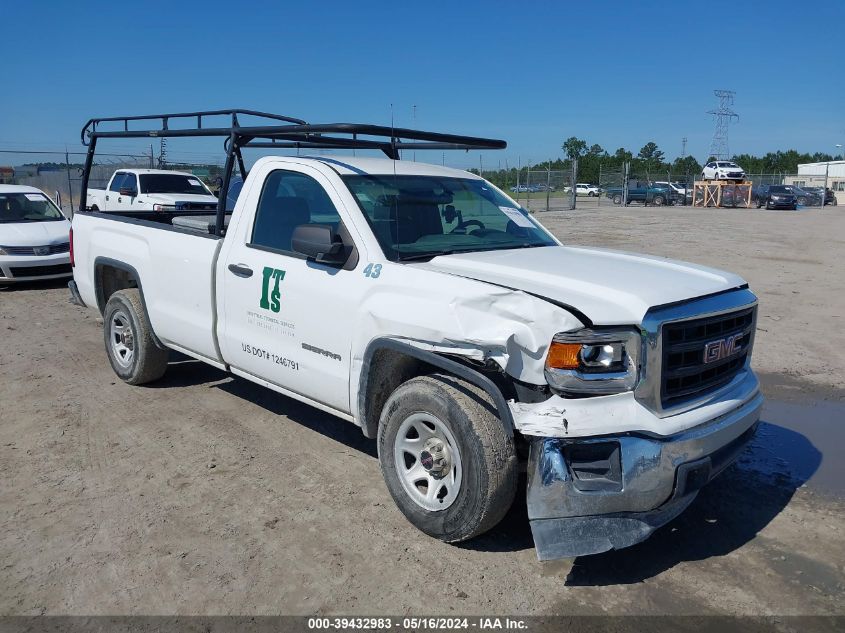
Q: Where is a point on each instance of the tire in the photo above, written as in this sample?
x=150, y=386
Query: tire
x=657, y=201
x=617, y=199
x=478, y=477
x=802, y=201
x=591, y=194
x=127, y=334
x=95, y=208
x=702, y=176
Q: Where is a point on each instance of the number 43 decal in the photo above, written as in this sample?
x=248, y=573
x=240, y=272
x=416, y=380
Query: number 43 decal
x=372, y=271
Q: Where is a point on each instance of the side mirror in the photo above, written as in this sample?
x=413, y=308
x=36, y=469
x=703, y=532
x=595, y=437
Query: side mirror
x=318, y=242
x=125, y=191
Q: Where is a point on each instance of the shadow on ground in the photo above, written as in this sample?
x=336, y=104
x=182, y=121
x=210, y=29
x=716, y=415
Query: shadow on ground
x=183, y=371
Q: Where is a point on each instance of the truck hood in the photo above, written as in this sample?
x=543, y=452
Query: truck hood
x=170, y=198
x=34, y=233
x=608, y=287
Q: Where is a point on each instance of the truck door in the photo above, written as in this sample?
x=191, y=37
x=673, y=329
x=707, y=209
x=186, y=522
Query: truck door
x=113, y=192
x=125, y=202
x=286, y=319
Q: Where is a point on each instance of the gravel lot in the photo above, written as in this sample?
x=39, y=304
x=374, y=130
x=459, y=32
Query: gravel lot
x=205, y=494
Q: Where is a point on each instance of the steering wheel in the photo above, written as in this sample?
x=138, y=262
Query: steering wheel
x=462, y=226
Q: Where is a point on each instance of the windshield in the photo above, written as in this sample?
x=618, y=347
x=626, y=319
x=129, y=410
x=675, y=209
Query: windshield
x=728, y=165
x=419, y=217
x=27, y=207
x=172, y=183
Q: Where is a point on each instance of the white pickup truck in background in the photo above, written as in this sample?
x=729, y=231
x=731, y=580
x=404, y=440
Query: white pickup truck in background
x=424, y=305
x=153, y=190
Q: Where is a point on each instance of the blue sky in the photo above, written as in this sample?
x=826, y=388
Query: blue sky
x=613, y=73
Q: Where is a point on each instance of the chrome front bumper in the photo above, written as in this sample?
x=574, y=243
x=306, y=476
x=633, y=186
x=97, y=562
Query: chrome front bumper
x=591, y=495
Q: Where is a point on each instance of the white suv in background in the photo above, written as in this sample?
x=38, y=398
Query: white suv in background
x=584, y=189
x=722, y=170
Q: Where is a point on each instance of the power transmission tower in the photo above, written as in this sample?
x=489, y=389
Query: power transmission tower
x=162, y=153
x=684, y=147
x=723, y=115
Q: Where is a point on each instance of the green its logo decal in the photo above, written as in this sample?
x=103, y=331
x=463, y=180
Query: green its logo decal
x=270, y=300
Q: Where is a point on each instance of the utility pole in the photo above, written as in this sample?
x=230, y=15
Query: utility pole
x=414, y=155
x=684, y=147
x=70, y=188
x=574, y=178
x=723, y=115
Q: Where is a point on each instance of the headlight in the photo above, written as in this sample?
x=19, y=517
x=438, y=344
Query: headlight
x=592, y=362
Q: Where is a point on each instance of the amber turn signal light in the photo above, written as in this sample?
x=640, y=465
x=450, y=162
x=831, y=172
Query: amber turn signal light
x=563, y=356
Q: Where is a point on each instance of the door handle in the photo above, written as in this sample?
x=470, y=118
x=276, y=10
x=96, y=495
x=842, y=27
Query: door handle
x=120, y=199
x=241, y=270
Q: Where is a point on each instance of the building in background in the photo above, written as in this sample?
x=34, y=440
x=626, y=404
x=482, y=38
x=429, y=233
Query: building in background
x=7, y=175
x=813, y=175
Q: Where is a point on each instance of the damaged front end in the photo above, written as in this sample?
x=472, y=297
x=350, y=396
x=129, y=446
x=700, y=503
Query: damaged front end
x=605, y=472
x=587, y=496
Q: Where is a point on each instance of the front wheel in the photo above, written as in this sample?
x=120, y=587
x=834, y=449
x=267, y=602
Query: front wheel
x=446, y=458
x=802, y=201
x=132, y=352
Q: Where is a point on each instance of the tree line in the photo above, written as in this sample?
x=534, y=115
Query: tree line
x=596, y=164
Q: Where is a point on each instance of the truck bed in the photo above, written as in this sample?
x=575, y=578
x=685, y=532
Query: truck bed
x=176, y=264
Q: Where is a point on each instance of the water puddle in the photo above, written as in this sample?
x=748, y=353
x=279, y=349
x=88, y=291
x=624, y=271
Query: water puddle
x=802, y=444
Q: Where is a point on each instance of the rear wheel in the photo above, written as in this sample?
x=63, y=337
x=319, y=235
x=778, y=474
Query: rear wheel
x=446, y=458
x=617, y=199
x=658, y=201
x=132, y=352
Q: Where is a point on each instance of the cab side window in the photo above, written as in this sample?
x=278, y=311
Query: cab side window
x=289, y=199
x=130, y=182
x=117, y=181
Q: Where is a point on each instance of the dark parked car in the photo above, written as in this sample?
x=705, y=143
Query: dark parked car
x=656, y=195
x=775, y=197
x=804, y=197
x=829, y=196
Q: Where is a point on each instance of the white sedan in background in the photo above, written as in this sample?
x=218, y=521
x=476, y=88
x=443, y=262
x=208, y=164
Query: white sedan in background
x=34, y=236
x=722, y=170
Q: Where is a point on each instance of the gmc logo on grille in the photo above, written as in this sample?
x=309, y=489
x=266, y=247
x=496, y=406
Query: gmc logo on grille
x=722, y=348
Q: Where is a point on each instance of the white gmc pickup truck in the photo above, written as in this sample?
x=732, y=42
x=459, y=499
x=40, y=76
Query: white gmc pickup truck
x=423, y=305
x=153, y=190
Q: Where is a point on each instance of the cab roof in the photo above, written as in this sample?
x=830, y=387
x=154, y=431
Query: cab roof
x=20, y=189
x=364, y=166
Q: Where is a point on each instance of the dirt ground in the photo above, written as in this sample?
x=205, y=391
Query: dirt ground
x=206, y=494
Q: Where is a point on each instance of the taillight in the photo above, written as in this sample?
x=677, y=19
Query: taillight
x=70, y=239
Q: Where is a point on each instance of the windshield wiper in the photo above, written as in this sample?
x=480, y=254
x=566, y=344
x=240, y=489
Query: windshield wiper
x=429, y=255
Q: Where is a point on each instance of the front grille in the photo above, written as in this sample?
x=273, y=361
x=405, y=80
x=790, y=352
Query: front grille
x=195, y=206
x=685, y=373
x=39, y=271
x=52, y=249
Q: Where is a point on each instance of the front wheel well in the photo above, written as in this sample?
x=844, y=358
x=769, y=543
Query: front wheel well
x=388, y=363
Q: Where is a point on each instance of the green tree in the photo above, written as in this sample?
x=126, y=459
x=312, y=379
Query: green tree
x=686, y=165
x=574, y=147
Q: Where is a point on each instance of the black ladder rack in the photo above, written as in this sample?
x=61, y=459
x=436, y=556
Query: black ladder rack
x=276, y=131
